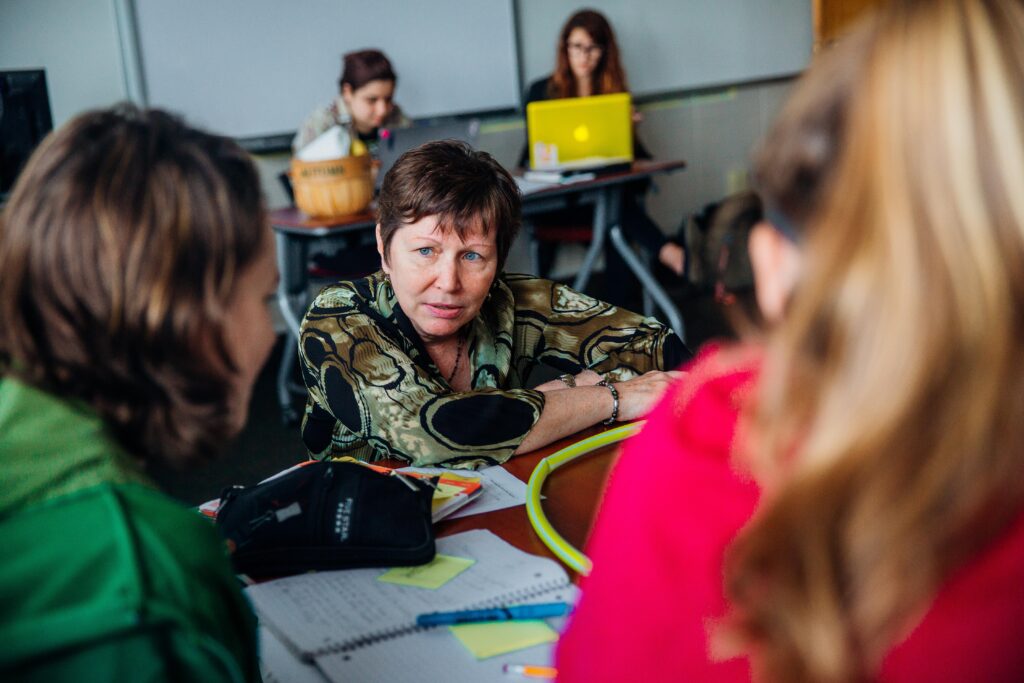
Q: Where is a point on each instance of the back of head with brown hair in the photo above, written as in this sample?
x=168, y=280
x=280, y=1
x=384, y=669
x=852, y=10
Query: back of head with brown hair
x=360, y=67
x=120, y=247
x=609, y=76
x=459, y=185
x=890, y=412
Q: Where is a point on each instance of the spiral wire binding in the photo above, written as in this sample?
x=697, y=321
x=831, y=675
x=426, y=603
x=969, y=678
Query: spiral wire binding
x=518, y=595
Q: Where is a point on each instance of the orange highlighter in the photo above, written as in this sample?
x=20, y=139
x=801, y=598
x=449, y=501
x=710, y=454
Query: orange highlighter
x=531, y=670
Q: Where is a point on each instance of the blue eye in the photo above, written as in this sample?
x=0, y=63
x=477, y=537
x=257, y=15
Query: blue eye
x=425, y=251
x=472, y=256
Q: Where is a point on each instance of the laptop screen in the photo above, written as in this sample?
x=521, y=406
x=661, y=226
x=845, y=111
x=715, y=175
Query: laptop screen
x=580, y=132
x=395, y=142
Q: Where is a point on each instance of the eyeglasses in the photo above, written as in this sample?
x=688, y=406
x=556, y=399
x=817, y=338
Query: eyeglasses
x=584, y=49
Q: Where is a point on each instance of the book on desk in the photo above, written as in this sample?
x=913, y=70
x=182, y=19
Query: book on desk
x=453, y=490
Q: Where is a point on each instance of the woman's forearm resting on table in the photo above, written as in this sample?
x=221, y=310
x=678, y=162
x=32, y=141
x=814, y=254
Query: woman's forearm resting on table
x=568, y=410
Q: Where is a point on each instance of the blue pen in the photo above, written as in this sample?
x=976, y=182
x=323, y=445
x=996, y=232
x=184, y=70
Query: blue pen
x=541, y=611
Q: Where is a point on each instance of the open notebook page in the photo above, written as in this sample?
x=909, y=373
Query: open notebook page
x=335, y=610
x=437, y=655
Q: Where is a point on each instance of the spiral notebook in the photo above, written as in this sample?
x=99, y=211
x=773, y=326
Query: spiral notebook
x=434, y=655
x=335, y=612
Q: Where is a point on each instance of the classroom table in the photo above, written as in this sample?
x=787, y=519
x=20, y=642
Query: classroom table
x=605, y=191
x=296, y=233
x=572, y=493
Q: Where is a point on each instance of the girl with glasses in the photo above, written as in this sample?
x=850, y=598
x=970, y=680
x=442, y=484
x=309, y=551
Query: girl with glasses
x=587, y=63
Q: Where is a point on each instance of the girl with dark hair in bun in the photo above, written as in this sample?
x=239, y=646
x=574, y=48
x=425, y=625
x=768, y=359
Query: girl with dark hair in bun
x=364, y=105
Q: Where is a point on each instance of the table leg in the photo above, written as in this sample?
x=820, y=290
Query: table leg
x=606, y=206
x=290, y=415
x=646, y=278
x=292, y=264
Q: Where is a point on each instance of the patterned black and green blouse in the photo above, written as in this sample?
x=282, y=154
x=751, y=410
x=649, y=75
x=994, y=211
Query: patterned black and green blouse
x=374, y=391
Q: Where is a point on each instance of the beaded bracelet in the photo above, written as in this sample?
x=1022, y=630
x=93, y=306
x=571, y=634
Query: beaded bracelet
x=615, y=401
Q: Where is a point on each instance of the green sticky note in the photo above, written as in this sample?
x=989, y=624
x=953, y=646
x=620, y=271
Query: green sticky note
x=432, y=575
x=498, y=637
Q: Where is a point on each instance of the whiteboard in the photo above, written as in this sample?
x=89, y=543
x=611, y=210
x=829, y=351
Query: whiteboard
x=253, y=68
x=257, y=68
x=673, y=45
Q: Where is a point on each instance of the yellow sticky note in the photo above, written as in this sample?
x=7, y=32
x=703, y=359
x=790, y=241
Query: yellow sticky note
x=445, y=491
x=432, y=575
x=498, y=637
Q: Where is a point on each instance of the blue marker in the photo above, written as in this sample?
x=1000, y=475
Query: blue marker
x=541, y=611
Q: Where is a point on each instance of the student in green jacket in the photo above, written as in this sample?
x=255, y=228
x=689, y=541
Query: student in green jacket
x=136, y=262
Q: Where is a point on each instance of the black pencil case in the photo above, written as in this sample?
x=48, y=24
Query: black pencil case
x=327, y=515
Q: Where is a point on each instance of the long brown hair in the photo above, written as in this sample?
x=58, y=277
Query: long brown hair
x=890, y=417
x=609, y=76
x=120, y=248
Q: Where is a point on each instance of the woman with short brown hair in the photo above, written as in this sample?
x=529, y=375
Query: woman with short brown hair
x=429, y=359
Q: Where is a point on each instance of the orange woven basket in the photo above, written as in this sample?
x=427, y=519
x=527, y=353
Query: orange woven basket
x=335, y=187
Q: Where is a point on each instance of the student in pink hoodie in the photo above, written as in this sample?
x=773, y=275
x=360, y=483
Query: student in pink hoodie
x=842, y=499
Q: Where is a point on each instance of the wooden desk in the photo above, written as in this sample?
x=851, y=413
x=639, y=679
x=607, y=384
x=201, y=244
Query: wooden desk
x=573, y=495
x=295, y=233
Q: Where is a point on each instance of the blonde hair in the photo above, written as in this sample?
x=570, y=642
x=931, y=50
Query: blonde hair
x=890, y=421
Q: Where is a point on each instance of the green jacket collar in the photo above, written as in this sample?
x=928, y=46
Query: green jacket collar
x=50, y=447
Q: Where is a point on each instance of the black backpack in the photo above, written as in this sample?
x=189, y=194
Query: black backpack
x=327, y=515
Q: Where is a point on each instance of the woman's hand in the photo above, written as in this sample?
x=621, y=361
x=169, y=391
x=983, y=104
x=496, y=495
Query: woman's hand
x=567, y=411
x=638, y=395
x=673, y=257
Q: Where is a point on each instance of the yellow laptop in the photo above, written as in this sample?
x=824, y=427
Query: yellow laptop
x=580, y=133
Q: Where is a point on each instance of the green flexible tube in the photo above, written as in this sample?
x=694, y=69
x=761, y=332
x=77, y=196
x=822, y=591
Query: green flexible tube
x=562, y=549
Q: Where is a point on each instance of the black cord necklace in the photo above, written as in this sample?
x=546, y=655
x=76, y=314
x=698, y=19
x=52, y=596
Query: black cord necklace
x=458, y=357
